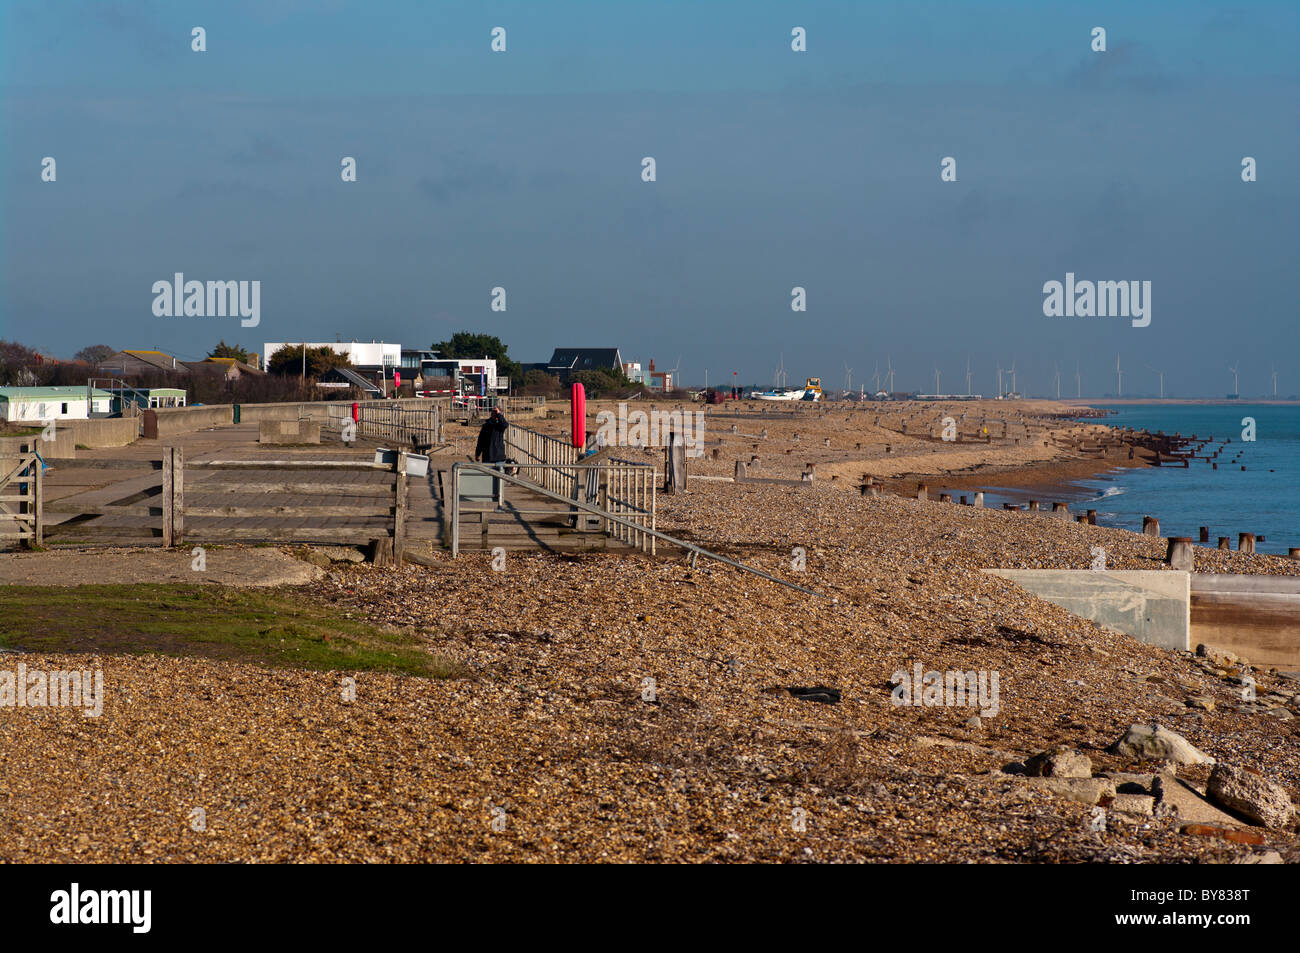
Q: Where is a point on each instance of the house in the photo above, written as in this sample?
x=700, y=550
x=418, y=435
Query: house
x=145, y=398
x=230, y=368
x=132, y=363
x=42, y=404
x=566, y=360
x=373, y=358
x=660, y=380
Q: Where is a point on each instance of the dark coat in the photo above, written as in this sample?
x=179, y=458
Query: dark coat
x=491, y=447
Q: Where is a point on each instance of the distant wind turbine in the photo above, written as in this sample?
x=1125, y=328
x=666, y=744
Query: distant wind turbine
x=1078, y=381
x=1233, y=369
x=1119, y=377
x=1274, y=380
x=968, y=375
x=1058, y=380
x=936, y=381
x=1162, y=380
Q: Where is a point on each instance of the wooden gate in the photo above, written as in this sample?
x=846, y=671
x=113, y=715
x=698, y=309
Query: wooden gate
x=20, y=498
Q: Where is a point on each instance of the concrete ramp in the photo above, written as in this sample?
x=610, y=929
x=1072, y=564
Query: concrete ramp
x=1152, y=605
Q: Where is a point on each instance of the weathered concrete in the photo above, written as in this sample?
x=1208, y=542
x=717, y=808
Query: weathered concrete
x=1153, y=606
x=1254, y=616
x=288, y=431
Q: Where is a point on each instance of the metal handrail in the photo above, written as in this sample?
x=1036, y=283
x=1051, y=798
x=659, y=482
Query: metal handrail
x=597, y=511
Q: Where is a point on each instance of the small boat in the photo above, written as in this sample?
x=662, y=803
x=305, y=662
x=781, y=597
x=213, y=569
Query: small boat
x=811, y=390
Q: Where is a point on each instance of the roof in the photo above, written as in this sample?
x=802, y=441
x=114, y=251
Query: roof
x=48, y=393
x=352, y=377
x=583, y=358
x=159, y=359
x=226, y=363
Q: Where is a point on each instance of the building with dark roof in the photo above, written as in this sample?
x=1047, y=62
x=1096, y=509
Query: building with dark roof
x=566, y=360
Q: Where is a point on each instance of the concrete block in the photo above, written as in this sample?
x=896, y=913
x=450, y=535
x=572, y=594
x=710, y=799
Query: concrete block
x=1153, y=606
x=288, y=431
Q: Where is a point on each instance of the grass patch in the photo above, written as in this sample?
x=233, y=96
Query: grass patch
x=261, y=627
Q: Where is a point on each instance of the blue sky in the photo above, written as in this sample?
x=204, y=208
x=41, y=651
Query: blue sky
x=775, y=169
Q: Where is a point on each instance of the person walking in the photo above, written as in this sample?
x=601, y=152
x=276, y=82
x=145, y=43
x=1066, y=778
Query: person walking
x=491, y=447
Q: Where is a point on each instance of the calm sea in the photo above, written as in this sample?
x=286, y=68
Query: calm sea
x=1263, y=499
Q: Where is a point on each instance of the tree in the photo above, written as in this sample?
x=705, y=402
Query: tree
x=288, y=360
x=16, y=363
x=541, y=382
x=94, y=354
x=238, y=353
x=471, y=344
x=596, y=383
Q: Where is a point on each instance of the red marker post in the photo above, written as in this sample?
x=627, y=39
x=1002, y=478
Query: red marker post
x=578, y=416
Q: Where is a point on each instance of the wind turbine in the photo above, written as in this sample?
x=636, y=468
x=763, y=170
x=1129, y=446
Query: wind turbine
x=1078, y=382
x=1274, y=380
x=999, y=382
x=848, y=377
x=1058, y=380
x=1013, y=377
x=936, y=380
x=1119, y=376
x=1162, y=380
x=1235, y=391
x=967, y=375
x=890, y=362
x=676, y=380
x=876, y=378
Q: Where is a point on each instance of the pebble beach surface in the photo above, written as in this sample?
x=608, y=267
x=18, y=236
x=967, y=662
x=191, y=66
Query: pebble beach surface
x=556, y=736
x=621, y=707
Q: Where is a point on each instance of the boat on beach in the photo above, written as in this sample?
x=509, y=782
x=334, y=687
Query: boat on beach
x=811, y=390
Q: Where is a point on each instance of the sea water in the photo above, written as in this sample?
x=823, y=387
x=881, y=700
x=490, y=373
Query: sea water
x=1264, y=499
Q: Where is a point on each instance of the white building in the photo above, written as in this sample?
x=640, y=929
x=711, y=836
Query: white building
x=364, y=355
x=42, y=404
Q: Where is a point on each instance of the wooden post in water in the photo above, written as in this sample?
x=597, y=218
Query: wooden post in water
x=1293, y=552
x=1205, y=534
x=979, y=500
x=1033, y=506
x=1179, y=554
x=1225, y=543
x=1246, y=542
x=945, y=497
x=1092, y=517
x=921, y=491
x=1150, y=526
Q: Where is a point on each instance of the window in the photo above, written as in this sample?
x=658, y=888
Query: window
x=64, y=411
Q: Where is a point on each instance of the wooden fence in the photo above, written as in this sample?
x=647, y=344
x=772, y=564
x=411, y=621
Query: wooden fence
x=145, y=514
x=343, y=502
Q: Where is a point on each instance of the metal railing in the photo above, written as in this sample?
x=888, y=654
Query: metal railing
x=496, y=470
x=621, y=492
x=557, y=457
x=397, y=421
